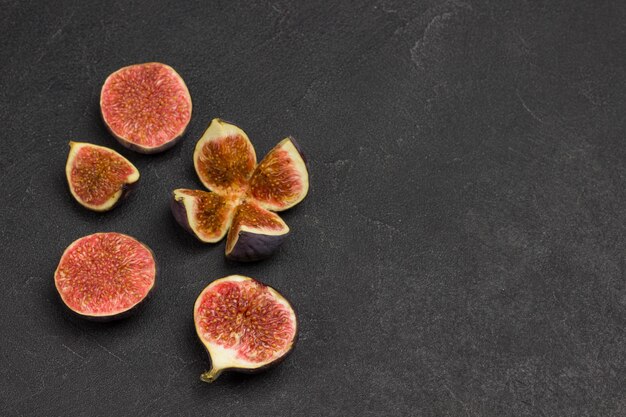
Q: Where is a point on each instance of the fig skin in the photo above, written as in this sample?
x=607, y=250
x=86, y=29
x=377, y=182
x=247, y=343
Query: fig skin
x=299, y=149
x=135, y=146
x=212, y=374
x=180, y=214
x=252, y=247
x=116, y=316
x=126, y=189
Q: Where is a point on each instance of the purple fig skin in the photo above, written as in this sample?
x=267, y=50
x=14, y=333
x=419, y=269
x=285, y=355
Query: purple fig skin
x=180, y=214
x=255, y=246
x=127, y=189
x=299, y=149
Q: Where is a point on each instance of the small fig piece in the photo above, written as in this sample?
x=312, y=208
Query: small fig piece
x=224, y=158
x=205, y=215
x=281, y=180
x=98, y=177
x=103, y=275
x=147, y=107
x=245, y=326
x=255, y=233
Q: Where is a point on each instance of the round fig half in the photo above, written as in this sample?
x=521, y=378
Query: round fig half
x=105, y=275
x=98, y=177
x=147, y=107
x=224, y=158
x=205, y=215
x=255, y=233
x=245, y=326
x=281, y=180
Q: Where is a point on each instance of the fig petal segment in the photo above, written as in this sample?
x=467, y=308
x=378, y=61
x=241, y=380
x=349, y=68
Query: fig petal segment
x=224, y=158
x=255, y=233
x=98, y=177
x=281, y=180
x=147, y=107
x=204, y=214
x=245, y=325
x=105, y=274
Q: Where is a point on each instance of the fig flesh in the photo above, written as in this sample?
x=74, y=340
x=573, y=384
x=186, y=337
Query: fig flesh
x=244, y=194
x=147, y=107
x=98, y=177
x=105, y=275
x=244, y=325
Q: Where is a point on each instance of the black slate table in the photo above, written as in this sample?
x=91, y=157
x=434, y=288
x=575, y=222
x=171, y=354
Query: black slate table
x=461, y=252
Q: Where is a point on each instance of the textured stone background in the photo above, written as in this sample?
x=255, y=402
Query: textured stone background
x=461, y=252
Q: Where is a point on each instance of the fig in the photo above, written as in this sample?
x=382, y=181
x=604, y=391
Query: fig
x=105, y=275
x=255, y=233
x=243, y=195
x=147, y=107
x=244, y=325
x=98, y=177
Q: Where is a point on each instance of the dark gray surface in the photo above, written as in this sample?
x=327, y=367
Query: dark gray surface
x=461, y=251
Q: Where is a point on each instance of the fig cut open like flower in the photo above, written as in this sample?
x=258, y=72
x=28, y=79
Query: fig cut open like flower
x=243, y=194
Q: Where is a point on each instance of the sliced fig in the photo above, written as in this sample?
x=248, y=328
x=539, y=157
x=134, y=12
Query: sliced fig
x=245, y=326
x=147, y=107
x=224, y=158
x=205, y=215
x=105, y=275
x=98, y=177
x=255, y=233
x=242, y=192
x=281, y=180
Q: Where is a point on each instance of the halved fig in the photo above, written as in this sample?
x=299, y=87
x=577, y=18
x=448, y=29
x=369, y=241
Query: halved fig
x=255, y=233
x=98, y=177
x=245, y=326
x=105, y=275
x=281, y=180
x=224, y=158
x=147, y=107
x=205, y=215
x=242, y=193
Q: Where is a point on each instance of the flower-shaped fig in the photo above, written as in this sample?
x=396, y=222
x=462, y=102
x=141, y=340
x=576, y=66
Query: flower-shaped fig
x=243, y=195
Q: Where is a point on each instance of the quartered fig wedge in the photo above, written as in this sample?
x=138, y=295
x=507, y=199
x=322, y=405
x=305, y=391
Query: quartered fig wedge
x=244, y=194
x=224, y=158
x=255, y=233
x=244, y=325
x=105, y=275
x=147, y=107
x=98, y=177
x=205, y=215
x=281, y=180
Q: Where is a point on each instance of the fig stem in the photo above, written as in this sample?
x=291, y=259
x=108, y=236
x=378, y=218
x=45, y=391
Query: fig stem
x=211, y=375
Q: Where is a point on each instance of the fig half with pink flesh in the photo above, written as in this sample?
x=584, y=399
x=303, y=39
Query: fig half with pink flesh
x=105, y=275
x=147, y=107
x=98, y=177
x=244, y=325
x=244, y=194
